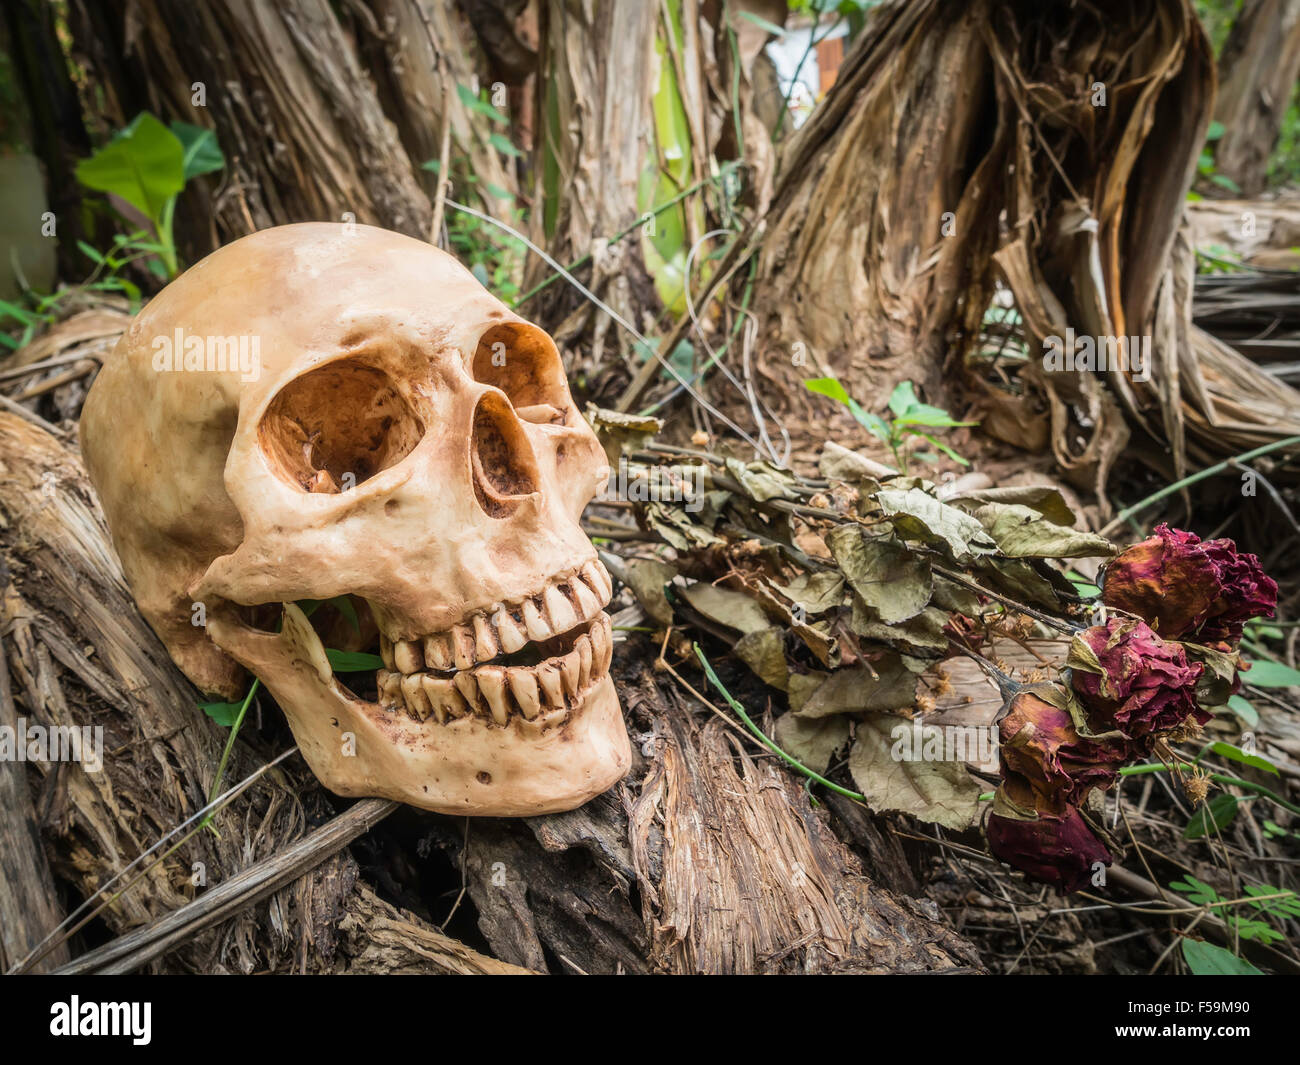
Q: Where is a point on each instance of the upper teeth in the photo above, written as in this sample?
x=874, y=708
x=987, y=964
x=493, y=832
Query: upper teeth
x=504, y=628
x=549, y=689
x=417, y=675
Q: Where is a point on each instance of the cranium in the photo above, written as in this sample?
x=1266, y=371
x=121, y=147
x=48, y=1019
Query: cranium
x=401, y=439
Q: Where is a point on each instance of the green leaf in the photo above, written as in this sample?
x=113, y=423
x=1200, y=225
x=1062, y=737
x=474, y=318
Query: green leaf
x=1197, y=891
x=144, y=165
x=767, y=27
x=1262, y=630
x=828, y=386
x=931, y=417
x=1211, y=817
x=1266, y=674
x=1215, y=131
x=481, y=107
x=19, y=314
x=504, y=145
x=1236, y=754
x=343, y=603
x=940, y=445
x=1241, y=707
x=224, y=714
x=1084, y=588
x=90, y=253
x=903, y=398
x=202, y=154
x=352, y=661
x=1206, y=959
x=873, y=423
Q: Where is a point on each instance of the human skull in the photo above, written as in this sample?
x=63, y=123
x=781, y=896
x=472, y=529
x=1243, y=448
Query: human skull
x=396, y=436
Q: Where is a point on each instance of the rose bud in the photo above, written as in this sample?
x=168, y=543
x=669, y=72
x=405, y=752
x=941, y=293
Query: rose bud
x=1131, y=680
x=1041, y=745
x=1059, y=851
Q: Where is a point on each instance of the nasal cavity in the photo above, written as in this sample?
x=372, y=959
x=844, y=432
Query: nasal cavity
x=504, y=471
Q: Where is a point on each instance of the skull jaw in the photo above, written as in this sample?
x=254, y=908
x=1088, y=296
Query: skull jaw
x=466, y=767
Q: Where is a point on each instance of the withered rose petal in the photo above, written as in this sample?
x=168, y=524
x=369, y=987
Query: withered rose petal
x=1040, y=744
x=1165, y=580
x=1146, y=685
x=1052, y=850
x=1245, y=592
x=1186, y=588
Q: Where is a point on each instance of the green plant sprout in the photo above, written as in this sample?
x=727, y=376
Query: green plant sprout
x=147, y=164
x=1262, y=900
x=43, y=311
x=908, y=416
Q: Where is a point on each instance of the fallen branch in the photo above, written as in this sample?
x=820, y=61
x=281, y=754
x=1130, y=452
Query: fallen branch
x=137, y=948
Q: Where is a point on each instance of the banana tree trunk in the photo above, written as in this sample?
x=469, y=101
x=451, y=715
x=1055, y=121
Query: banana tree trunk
x=323, y=111
x=1013, y=157
x=1257, y=77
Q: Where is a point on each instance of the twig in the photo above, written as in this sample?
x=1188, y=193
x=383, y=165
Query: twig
x=40, y=950
x=641, y=220
x=444, y=163
x=1273, y=493
x=613, y=314
x=1037, y=615
x=22, y=412
x=220, y=903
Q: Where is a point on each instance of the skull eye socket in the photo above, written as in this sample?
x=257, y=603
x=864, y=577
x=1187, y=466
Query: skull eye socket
x=522, y=361
x=333, y=428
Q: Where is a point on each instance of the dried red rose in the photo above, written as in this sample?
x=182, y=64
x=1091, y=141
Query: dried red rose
x=1245, y=592
x=1186, y=588
x=1041, y=745
x=1060, y=851
x=1131, y=680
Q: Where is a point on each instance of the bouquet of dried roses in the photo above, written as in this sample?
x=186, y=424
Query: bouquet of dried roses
x=1163, y=654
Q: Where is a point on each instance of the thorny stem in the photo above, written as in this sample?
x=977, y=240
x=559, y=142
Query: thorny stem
x=1209, y=471
x=762, y=737
x=1218, y=778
